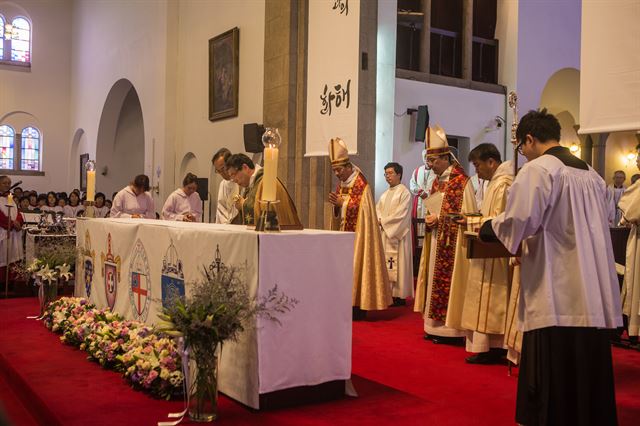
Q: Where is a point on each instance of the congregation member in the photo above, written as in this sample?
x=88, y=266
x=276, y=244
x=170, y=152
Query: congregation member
x=17, y=193
x=33, y=202
x=74, y=208
x=184, y=204
x=42, y=201
x=630, y=208
x=614, y=192
x=134, y=200
x=227, y=190
x=24, y=204
x=444, y=242
x=354, y=210
x=52, y=204
x=488, y=287
x=248, y=176
x=108, y=204
x=420, y=186
x=100, y=209
x=11, y=219
x=394, y=215
x=570, y=299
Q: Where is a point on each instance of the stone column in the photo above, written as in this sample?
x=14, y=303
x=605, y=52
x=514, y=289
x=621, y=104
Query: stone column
x=467, y=39
x=598, y=152
x=425, y=38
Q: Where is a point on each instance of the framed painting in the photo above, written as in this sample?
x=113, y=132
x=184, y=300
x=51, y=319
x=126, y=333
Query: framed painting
x=224, y=75
x=83, y=171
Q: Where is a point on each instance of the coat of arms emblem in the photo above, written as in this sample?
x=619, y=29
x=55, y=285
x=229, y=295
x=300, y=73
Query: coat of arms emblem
x=87, y=262
x=140, y=282
x=111, y=273
x=172, y=276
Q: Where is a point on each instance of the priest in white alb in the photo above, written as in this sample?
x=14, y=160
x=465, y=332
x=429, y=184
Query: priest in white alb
x=570, y=297
x=487, y=294
x=184, y=204
x=629, y=206
x=444, y=246
x=394, y=215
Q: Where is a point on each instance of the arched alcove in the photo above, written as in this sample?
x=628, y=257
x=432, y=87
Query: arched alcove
x=189, y=164
x=562, y=93
x=120, y=141
x=78, y=144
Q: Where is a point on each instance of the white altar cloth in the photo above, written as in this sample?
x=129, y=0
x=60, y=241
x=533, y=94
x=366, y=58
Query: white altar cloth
x=313, y=344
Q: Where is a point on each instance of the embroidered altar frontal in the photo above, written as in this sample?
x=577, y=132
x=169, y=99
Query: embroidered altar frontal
x=135, y=266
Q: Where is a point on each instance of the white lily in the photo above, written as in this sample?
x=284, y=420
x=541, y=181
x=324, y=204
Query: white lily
x=47, y=274
x=64, y=271
x=34, y=266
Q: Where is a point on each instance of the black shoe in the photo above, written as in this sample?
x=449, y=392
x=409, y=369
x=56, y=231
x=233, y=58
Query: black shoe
x=494, y=356
x=397, y=301
x=453, y=341
x=428, y=336
x=359, y=314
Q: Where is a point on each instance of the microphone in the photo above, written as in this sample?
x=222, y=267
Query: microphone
x=15, y=185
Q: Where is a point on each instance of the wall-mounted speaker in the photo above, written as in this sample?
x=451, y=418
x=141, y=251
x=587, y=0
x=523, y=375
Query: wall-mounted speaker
x=253, y=137
x=422, y=122
x=203, y=188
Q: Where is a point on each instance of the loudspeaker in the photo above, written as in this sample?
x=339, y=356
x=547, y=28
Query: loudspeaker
x=203, y=188
x=253, y=137
x=422, y=122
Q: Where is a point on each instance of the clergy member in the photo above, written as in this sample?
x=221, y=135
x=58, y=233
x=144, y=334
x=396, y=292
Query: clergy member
x=354, y=211
x=248, y=176
x=394, y=215
x=134, y=200
x=487, y=295
x=630, y=208
x=13, y=221
x=569, y=296
x=444, y=243
x=227, y=190
x=420, y=186
x=614, y=192
x=184, y=204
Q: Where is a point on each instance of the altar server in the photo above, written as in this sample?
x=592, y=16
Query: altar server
x=444, y=250
x=134, y=200
x=227, y=190
x=354, y=210
x=394, y=215
x=569, y=296
x=13, y=223
x=630, y=208
x=487, y=294
x=184, y=204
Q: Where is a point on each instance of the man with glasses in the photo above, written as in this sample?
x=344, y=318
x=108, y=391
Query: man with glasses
x=443, y=264
x=569, y=294
x=394, y=215
x=227, y=189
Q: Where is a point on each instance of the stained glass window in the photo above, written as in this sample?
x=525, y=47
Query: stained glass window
x=30, y=149
x=1, y=37
x=7, y=137
x=21, y=41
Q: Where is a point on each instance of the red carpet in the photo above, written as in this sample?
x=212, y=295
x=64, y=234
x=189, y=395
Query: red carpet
x=400, y=378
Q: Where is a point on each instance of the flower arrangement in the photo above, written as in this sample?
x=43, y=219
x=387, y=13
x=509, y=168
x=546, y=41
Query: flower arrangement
x=216, y=311
x=148, y=359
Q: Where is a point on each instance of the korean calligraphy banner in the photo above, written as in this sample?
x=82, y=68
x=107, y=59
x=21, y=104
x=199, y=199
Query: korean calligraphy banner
x=333, y=54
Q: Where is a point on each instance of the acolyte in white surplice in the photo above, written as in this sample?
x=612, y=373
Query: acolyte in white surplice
x=394, y=213
x=630, y=207
x=15, y=236
x=568, y=276
x=179, y=205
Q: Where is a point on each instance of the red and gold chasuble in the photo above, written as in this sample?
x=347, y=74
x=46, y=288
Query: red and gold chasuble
x=352, y=195
x=447, y=235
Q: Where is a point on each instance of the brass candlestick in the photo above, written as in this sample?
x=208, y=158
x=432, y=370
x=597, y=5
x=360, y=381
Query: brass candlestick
x=268, y=220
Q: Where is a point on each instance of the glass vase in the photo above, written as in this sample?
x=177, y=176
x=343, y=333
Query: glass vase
x=47, y=293
x=203, y=384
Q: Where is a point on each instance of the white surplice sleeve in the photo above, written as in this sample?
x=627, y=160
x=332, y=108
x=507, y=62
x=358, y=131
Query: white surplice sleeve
x=150, y=213
x=118, y=205
x=526, y=204
x=629, y=204
x=169, y=210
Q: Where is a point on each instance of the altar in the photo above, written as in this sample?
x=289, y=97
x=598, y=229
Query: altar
x=134, y=265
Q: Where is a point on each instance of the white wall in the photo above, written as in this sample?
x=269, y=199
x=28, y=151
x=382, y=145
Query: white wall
x=43, y=90
x=200, y=21
x=112, y=40
x=461, y=112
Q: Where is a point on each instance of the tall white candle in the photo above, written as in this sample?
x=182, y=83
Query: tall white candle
x=91, y=185
x=10, y=199
x=270, y=174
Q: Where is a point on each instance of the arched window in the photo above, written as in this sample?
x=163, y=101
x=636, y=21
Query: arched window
x=7, y=137
x=30, y=149
x=21, y=40
x=1, y=37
